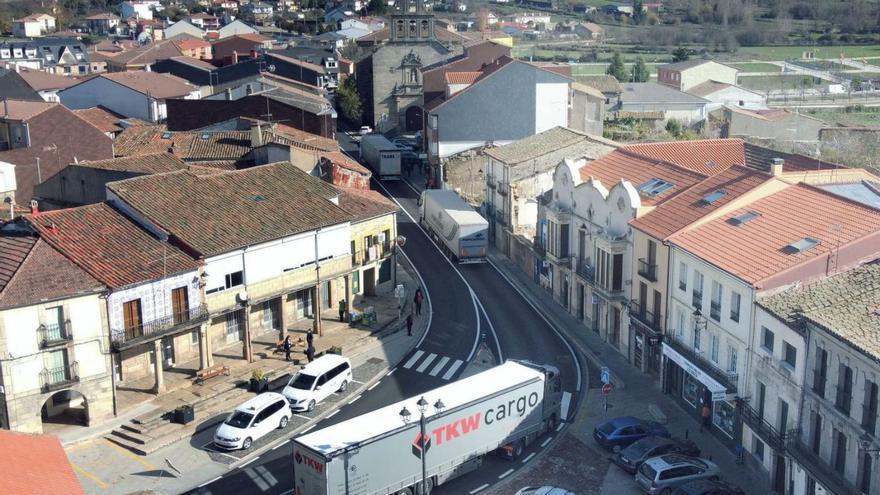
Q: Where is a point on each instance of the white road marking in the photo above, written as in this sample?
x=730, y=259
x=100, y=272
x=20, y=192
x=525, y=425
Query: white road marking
x=560, y=427
x=546, y=442
x=565, y=404
x=452, y=369
x=308, y=429
x=279, y=446
x=359, y=383
x=374, y=385
x=415, y=357
x=334, y=413
x=491, y=328
x=209, y=482
x=505, y=474
x=248, y=462
x=303, y=417
x=352, y=400
x=426, y=362
x=528, y=458
x=479, y=489
x=392, y=371
x=439, y=366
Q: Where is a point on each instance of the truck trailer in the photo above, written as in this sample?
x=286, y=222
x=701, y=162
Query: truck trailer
x=381, y=156
x=502, y=409
x=463, y=233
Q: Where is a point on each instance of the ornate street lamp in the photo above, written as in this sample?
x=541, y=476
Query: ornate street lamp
x=423, y=440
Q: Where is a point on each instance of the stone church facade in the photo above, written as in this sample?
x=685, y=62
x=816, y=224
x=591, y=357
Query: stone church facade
x=389, y=75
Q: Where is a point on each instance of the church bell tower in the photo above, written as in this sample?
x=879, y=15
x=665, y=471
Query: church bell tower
x=412, y=21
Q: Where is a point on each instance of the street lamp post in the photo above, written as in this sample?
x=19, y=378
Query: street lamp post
x=405, y=415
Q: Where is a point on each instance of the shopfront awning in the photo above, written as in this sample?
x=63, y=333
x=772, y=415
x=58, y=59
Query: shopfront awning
x=719, y=391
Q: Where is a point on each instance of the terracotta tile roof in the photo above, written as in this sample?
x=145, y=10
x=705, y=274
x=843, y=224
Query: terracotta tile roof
x=707, y=88
x=23, y=110
x=845, y=305
x=224, y=211
x=192, y=44
x=365, y=204
x=638, y=169
x=139, y=140
x=306, y=138
x=533, y=147
x=344, y=161
x=40, y=465
x=143, y=164
x=41, y=81
x=707, y=156
x=207, y=166
x=148, y=54
x=756, y=250
x=462, y=77
x=108, y=245
x=691, y=205
x=195, y=62
x=605, y=84
x=35, y=17
x=155, y=84
x=100, y=117
x=256, y=38
x=107, y=46
x=31, y=271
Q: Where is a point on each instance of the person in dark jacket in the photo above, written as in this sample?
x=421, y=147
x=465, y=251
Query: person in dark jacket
x=409, y=322
x=287, y=346
x=417, y=300
x=310, y=353
x=310, y=338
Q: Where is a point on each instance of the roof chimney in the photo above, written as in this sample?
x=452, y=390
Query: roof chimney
x=35, y=210
x=776, y=165
x=256, y=135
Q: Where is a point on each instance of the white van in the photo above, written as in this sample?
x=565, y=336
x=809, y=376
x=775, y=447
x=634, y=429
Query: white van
x=252, y=420
x=317, y=380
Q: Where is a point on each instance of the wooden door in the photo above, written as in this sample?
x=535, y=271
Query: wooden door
x=180, y=305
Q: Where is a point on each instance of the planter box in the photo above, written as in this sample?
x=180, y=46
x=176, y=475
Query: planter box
x=335, y=350
x=184, y=415
x=258, y=386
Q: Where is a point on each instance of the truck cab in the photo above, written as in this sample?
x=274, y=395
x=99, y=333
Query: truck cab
x=551, y=412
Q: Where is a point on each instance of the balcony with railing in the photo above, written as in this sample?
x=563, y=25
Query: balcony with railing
x=644, y=317
x=125, y=338
x=54, y=334
x=727, y=378
x=52, y=379
x=609, y=293
x=820, y=470
x=585, y=270
x=648, y=271
x=768, y=433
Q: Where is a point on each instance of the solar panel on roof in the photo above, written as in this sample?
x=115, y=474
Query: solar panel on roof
x=166, y=135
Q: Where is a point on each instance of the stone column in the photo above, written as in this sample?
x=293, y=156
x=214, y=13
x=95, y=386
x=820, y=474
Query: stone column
x=282, y=318
x=248, y=352
x=157, y=367
x=316, y=310
x=349, y=297
x=204, y=355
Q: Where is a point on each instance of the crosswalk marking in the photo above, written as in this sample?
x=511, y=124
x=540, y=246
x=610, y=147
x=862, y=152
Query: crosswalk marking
x=452, y=369
x=415, y=357
x=426, y=362
x=439, y=366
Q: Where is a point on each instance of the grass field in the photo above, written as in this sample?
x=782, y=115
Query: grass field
x=757, y=67
x=598, y=69
x=854, y=118
x=789, y=52
x=764, y=83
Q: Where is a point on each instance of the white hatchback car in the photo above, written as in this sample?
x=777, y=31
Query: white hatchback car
x=317, y=380
x=252, y=420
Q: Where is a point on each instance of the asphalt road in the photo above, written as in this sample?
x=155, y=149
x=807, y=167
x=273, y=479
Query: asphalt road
x=471, y=304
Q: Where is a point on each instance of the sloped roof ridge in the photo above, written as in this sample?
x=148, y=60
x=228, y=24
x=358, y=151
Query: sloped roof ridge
x=840, y=197
x=660, y=161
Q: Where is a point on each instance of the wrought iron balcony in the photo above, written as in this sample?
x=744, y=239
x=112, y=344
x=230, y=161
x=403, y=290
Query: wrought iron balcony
x=647, y=270
x=644, y=317
x=819, y=469
x=52, y=379
x=52, y=334
x=768, y=433
x=608, y=293
x=125, y=338
x=727, y=378
x=585, y=270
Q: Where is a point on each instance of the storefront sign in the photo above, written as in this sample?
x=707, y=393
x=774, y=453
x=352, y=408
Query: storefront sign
x=719, y=391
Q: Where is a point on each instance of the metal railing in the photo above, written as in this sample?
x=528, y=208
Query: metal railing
x=727, y=378
x=585, y=270
x=768, y=433
x=52, y=334
x=647, y=270
x=122, y=338
x=820, y=469
x=59, y=377
x=647, y=318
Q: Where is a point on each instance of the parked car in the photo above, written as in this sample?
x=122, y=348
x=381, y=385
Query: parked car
x=623, y=431
x=252, y=420
x=364, y=130
x=630, y=458
x=317, y=380
x=708, y=487
x=662, y=474
x=543, y=490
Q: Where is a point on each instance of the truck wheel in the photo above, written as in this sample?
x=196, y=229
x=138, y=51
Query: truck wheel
x=551, y=423
x=405, y=491
x=518, y=449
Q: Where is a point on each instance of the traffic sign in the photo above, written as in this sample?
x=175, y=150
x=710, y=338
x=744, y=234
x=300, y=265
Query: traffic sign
x=607, y=388
x=606, y=375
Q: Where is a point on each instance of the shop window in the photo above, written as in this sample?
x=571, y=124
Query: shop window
x=724, y=417
x=690, y=390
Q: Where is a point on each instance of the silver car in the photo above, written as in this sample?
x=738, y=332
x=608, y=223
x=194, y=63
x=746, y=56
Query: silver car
x=662, y=474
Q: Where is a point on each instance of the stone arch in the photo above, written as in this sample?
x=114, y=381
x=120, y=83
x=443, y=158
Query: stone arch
x=64, y=408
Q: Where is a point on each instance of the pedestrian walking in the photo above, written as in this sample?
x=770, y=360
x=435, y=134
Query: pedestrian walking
x=409, y=322
x=310, y=337
x=342, y=310
x=310, y=353
x=287, y=346
x=705, y=415
x=417, y=300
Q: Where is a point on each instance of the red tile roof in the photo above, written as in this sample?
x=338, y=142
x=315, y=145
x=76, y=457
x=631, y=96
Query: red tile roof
x=192, y=44
x=689, y=206
x=142, y=164
x=756, y=250
x=105, y=120
x=41, y=81
x=621, y=164
x=707, y=156
x=36, y=465
x=23, y=110
x=365, y=204
x=108, y=245
x=462, y=77
x=154, y=84
x=344, y=161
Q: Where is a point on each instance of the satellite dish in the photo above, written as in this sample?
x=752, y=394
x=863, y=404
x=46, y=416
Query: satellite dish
x=242, y=296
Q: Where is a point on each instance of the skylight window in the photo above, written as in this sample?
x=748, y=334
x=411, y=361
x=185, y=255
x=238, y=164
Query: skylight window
x=205, y=136
x=166, y=135
x=802, y=245
x=655, y=187
x=714, y=196
x=744, y=218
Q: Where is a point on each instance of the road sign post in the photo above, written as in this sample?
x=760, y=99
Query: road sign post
x=606, y=391
x=606, y=375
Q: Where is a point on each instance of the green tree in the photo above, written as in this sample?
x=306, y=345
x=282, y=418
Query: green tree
x=377, y=7
x=680, y=54
x=640, y=72
x=349, y=100
x=638, y=11
x=617, y=69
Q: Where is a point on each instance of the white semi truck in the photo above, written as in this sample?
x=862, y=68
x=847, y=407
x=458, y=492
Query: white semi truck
x=381, y=156
x=501, y=409
x=463, y=233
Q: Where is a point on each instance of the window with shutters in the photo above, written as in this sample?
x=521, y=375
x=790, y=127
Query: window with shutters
x=180, y=305
x=131, y=314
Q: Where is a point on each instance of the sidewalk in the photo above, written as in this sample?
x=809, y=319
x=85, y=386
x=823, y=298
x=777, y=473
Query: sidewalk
x=105, y=467
x=634, y=393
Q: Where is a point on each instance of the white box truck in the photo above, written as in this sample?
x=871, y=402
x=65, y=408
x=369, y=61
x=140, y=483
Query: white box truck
x=503, y=408
x=463, y=233
x=381, y=156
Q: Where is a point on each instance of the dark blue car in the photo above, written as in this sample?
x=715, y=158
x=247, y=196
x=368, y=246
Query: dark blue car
x=622, y=431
